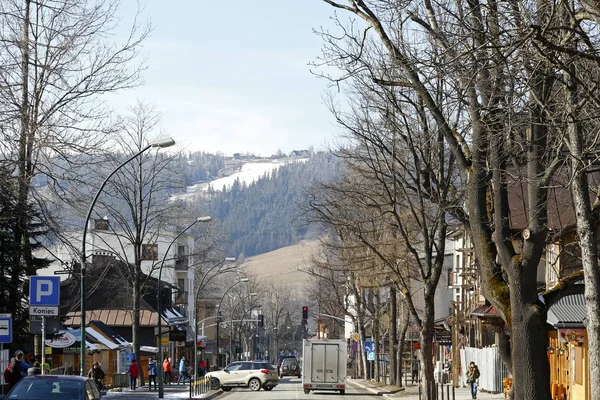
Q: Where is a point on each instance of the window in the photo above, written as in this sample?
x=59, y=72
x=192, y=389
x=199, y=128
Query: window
x=450, y=277
x=181, y=251
x=235, y=367
x=181, y=285
x=551, y=264
x=150, y=252
x=246, y=366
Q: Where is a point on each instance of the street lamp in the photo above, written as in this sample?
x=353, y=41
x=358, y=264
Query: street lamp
x=226, y=259
x=159, y=143
x=162, y=264
x=219, y=321
x=252, y=307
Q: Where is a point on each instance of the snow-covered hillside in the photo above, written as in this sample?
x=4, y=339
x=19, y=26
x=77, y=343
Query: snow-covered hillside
x=250, y=172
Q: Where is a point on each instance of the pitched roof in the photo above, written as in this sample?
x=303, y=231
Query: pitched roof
x=568, y=312
x=113, y=317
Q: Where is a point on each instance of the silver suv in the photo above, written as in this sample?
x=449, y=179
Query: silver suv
x=252, y=374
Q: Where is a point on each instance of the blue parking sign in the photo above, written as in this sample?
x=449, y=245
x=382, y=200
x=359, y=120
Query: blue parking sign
x=44, y=291
x=369, y=346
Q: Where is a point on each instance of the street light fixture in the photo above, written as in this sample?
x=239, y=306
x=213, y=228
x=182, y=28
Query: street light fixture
x=218, y=320
x=159, y=143
x=161, y=392
x=226, y=259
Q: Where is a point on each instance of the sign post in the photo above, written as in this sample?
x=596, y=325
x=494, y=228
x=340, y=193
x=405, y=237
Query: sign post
x=5, y=333
x=44, y=298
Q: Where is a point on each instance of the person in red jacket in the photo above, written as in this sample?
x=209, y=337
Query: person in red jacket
x=167, y=370
x=133, y=372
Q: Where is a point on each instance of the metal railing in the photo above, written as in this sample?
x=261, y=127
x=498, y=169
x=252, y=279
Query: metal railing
x=436, y=391
x=199, y=386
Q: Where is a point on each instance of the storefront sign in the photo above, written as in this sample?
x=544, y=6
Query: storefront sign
x=65, y=339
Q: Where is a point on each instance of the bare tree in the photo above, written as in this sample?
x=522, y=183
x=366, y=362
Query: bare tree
x=471, y=67
x=57, y=59
x=570, y=42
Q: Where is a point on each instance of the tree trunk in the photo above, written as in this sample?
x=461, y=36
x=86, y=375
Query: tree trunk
x=426, y=338
x=393, y=336
x=588, y=239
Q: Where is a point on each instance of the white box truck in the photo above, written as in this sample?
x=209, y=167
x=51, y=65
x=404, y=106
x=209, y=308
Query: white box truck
x=324, y=365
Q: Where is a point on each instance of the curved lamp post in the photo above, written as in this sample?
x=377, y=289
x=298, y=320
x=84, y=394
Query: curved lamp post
x=226, y=259
x=218, y=319
x=161, y=392
x=241, y=321
x=160, y=143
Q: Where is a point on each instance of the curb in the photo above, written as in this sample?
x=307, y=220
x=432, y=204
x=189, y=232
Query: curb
x=200, y=396
x=385, y=394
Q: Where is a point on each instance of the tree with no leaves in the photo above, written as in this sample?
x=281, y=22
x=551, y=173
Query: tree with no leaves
x=488, y=94
x=56, y=61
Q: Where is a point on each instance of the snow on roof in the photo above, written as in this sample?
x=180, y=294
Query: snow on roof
x=98, y=336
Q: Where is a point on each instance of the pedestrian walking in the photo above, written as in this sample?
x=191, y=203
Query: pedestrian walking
x=202, y=368
x=167, y=370
x=415, y=369
x=152, y=372
x=182, y=369
x=472, y=377
x=133, y=372
x=97, y=375
x=35, y=369
x=13, y=373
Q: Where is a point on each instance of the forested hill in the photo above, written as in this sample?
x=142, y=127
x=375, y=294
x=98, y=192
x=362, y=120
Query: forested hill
x=267, y=214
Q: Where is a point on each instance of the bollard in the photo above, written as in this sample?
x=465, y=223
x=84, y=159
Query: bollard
x=442, y=390
x=453, y=395
x=419, y=392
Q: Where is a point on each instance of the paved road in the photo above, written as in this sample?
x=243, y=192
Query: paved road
x=288, y=388
x=291, y=388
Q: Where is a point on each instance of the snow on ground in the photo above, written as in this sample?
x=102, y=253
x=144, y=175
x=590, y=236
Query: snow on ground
x=249, y=173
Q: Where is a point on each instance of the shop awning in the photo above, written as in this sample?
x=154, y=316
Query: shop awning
x=173, y=317
x=568, y=312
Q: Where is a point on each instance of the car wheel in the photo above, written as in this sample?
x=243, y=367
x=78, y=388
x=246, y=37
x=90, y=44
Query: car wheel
x=268, y=388
x=299, y=376
x=342, y=392
x=215, y=384
x=306, y=391
x=227, y=388
x=254, y=384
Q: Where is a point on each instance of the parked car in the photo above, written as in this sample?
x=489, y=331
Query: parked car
x=251, y=374
x=54, y=387
x=290, y=367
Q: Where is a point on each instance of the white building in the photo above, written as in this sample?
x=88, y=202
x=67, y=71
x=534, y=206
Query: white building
x=101, y=240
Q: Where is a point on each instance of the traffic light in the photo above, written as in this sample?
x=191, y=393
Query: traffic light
x=261, y=320
x=304, y=312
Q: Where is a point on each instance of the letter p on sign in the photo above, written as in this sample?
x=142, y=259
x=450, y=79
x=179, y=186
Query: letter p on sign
x=44, y=291
x=44, y=288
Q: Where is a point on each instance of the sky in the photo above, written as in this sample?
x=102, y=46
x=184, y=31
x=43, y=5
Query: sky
x=233, y=76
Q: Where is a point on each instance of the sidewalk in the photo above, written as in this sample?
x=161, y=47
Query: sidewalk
x=171, y=392
x=411, y=392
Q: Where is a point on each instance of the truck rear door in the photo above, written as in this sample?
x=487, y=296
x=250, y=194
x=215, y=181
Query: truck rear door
x=324, y=363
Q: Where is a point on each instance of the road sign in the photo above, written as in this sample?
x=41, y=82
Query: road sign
x=355, y=337
x=355, y=346
x=5, y=328
x=370, y=346
x=370, y=356
x=35, y=325
x=44, y=291
x=43, y=311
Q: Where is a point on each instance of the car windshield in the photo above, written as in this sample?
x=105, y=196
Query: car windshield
x=42, y=389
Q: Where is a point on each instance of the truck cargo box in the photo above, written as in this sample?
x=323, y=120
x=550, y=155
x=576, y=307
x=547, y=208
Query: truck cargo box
x=324, y=365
